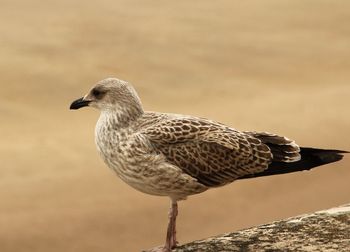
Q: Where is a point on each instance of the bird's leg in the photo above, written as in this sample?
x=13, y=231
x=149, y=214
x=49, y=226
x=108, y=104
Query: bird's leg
x=171, y=242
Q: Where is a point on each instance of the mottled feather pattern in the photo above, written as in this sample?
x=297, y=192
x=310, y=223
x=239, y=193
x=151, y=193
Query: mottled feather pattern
x=282, y=148
x=185, y=129
x=133, y=158
x=212, y=153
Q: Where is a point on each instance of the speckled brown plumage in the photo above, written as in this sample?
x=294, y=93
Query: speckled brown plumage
x=212, y=153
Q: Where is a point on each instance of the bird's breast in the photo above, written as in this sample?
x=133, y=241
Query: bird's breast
x=122, y=152
x=134, y=160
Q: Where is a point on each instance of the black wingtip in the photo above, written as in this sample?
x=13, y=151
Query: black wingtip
x=310, y=158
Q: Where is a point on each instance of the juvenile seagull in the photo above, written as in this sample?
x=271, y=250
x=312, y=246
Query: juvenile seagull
x=177, y=155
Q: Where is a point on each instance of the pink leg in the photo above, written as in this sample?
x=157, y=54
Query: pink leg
x=171, y=241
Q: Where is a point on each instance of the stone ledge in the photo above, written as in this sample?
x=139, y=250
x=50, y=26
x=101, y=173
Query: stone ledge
x=327, y=230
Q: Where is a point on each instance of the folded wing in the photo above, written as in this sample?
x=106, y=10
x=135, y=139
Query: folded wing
x=212, y=153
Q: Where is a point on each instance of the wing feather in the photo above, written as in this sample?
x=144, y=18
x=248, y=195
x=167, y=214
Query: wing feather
x=282, y=148
x=211, y=152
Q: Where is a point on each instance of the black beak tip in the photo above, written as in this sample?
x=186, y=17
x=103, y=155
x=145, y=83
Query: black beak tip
x=79, y=103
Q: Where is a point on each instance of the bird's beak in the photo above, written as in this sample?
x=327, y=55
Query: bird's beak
x=81, y=102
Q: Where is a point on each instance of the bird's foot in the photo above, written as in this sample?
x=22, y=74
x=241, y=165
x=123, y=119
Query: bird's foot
x=173, y=243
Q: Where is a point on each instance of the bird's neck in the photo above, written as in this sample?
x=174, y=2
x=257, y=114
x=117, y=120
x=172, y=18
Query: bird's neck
x=121, y=118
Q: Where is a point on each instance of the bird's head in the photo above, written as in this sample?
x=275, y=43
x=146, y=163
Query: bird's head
x=110, y=94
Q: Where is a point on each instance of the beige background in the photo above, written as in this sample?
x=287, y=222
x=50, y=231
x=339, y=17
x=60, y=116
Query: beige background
x=278, y=66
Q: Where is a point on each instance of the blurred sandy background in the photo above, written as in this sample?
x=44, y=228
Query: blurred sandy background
x=278, y=66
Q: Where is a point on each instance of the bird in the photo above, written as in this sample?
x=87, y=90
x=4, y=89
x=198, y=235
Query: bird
x=178, y=155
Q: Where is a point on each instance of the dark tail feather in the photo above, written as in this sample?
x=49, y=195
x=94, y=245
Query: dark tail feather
x=310, y=158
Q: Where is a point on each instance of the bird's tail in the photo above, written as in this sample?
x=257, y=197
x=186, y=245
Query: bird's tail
x=310, y=158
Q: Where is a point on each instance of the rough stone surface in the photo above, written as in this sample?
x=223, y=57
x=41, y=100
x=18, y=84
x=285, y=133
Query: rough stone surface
x=327, y=230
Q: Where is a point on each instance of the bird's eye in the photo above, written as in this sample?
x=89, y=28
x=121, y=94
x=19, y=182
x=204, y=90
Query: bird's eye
x=97, y=93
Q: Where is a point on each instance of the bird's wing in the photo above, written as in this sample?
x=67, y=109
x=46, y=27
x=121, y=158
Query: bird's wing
x=283, y=149
x=212, y=153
